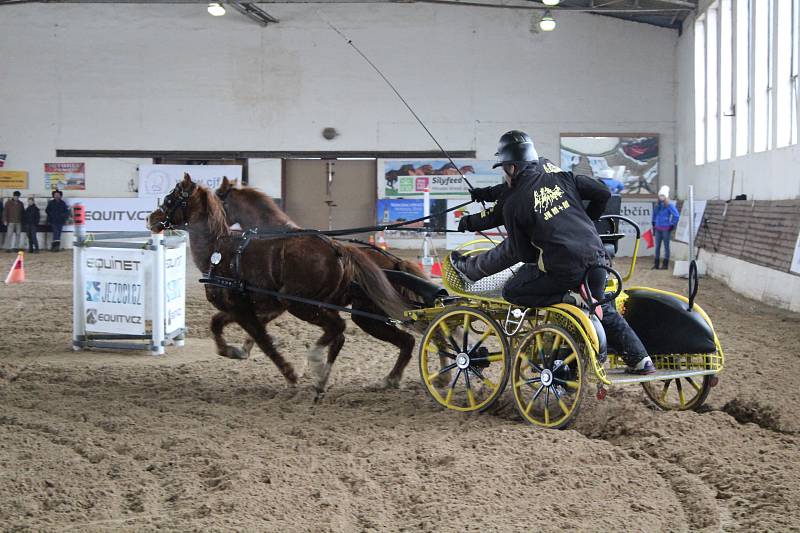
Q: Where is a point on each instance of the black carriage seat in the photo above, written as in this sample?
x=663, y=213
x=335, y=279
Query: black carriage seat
x=665, y=326
x=429, y=292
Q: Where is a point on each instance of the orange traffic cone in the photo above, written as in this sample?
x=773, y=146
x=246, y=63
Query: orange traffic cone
x=382, y=241
x=17, y=272
x=436, y=269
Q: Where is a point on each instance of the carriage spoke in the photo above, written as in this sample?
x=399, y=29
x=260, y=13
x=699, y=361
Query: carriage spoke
x=483, y=378
x=481, y=341
x=537, y=393
x=664, y=390
x=681, y=396
x=567, y=383
x=449, y=335
x=444, y=370
x=693, y=384
x=570, y=358
x=546, y=409
x=561, y=403
x=556, y=343
x=466, y=331
x=446, y=354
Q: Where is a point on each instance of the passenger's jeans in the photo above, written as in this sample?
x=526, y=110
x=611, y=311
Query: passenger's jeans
x=662, y=236
x=13, y=235
x=56, y=242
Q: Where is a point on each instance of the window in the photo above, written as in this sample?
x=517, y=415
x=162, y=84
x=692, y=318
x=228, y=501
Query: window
x=726, y=103
x=783, y=74
x=762, y=75
x=742, y=117
x=712, y=94
x=700, y=90
x=795, y=94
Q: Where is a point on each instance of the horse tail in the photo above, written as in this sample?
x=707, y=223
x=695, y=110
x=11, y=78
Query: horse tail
x=363, y=271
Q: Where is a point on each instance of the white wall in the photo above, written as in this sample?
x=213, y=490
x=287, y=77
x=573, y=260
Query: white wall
x=171, y=77
x=770, y=175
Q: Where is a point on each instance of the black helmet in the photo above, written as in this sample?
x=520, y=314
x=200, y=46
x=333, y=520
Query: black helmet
x=515, y=147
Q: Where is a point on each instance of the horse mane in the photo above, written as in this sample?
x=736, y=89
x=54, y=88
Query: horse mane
x=215, y=213
x=264, y=205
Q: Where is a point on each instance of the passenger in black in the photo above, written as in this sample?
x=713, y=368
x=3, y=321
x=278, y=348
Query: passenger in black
x=549, y=230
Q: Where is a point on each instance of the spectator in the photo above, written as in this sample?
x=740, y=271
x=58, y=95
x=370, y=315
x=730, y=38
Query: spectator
x=57, y=215
x=30, y=220
x=665, y=218
x=12, y=216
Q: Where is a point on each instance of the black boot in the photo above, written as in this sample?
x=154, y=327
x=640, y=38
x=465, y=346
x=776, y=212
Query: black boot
x=655, y=266
x=665, y=265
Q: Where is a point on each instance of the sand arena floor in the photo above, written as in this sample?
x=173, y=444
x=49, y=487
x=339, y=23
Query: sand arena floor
x=116, y=441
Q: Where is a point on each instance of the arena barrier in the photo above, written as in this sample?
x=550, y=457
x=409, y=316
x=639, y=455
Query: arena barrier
x=129, y=289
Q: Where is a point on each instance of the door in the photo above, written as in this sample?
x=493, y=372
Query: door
x=331, y=194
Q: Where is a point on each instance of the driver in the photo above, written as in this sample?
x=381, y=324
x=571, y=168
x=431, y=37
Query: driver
x=550, y=231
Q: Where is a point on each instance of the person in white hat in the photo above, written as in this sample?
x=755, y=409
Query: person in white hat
x=665, y=219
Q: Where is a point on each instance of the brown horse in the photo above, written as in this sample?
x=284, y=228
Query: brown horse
x=307, y=266
x=251, y=208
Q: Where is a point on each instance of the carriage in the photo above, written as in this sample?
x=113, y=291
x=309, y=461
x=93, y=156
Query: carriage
x=476, y=343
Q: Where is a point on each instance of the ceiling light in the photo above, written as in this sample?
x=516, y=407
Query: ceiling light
x=550, y=2
x=548, y=23
x=216, y=9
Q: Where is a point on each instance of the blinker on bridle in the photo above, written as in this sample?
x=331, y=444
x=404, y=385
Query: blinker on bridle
x=171, y=205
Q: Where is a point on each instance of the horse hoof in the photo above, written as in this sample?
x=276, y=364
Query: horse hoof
x=391, y=383
x=232, y=352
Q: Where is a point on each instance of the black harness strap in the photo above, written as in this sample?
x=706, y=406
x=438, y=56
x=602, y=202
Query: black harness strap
x=242, y=287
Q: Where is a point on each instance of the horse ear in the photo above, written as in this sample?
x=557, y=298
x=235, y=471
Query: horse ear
x=187, y=179
x=225, y=185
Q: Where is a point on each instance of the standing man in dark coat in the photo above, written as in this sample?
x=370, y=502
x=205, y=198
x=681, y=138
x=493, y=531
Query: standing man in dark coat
x=30, y=221
x=57, y=215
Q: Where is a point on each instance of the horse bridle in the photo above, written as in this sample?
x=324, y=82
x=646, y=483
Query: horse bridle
x=172, y=204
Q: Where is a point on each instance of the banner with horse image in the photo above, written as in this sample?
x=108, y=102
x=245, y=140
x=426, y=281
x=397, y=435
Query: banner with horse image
x=627, y=164
x=65, y=176
x=157, y=181
x=114, y=295
x=409, y=178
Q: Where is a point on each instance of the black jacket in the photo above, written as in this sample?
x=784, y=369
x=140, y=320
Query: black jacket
x=57, y=212
x=545, y=218
x=31, y=216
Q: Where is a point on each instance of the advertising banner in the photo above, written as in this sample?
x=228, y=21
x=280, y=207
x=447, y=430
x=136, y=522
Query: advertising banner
x=13, y=179
x=158, y=180
x=682, y=231
x=114, y=291
x=390, y=211
x=409, y=178
x=65, y=176
x=641, y=212
x=175, y=282
x=115, y=214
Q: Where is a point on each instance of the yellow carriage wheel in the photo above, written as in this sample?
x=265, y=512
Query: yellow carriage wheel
x=679, y=394
x=464, y=359
x=547, y=377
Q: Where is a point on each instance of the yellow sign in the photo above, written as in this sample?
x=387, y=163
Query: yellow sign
x=13, y=179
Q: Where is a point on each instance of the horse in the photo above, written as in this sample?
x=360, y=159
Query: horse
x=311, y=267
x=251, y=208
